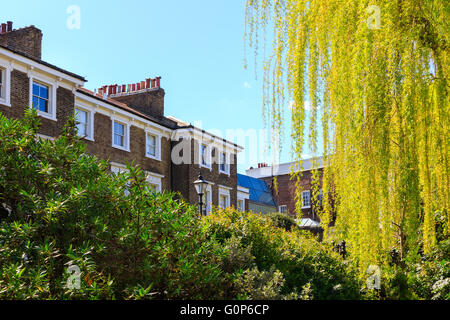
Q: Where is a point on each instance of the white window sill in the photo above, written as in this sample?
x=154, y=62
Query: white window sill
x=87, y=138
x=3, y=103
x=224, y=172
x=153, y=158
x=309, y=207
x=46, y=115
x=121, y=148
x=207, y=167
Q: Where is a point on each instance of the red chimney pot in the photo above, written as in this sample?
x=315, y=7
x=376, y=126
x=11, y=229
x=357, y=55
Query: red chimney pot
x=4, y=26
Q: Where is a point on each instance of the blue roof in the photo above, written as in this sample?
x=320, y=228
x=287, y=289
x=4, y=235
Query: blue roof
x=259, y=190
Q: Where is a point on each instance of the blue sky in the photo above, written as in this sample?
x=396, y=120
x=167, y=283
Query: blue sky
x=196, y=47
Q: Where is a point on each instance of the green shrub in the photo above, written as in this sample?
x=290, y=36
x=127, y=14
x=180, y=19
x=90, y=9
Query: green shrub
x=307, y=268
x=283, y=221
x=61, y=208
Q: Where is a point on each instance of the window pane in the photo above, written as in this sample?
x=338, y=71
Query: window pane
x=119, y=128
x=204, y=158
x=35, y=103
x=151, y=145
x=118, y=140
x=81, y=116
x=43, y=92
x=35, y=89
x=43, y=105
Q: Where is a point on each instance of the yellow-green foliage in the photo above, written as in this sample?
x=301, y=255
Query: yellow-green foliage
x=296, y=263
x=381, y=95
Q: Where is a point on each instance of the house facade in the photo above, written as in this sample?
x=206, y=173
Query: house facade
x=285, y=193
x=119, y=123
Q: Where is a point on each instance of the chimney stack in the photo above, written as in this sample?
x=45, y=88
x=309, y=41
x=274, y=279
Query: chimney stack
x=26, y=40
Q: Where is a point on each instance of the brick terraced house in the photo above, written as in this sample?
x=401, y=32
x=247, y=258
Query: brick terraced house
x=119, y=123
x=285, y=197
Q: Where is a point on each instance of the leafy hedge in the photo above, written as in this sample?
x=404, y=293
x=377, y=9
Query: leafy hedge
x=303, y=264
x=60, y=208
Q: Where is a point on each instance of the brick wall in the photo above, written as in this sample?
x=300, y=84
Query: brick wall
x=286, y=191
x=26, y=40
x=102, y=147
x=20, y=100
x=184, y=175
x=149, y=102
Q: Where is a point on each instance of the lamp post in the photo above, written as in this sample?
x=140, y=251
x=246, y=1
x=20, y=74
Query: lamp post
x=200, y=187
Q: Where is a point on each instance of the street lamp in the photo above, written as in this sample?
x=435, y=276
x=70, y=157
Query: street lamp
x=200, y=187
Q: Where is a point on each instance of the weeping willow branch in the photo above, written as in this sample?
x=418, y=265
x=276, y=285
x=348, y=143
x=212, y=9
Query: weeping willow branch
x=379, y=96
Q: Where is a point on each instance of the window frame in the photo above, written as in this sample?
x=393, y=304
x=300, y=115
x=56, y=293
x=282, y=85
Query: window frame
x=280, y=209
x=158, y=138
x=226, y=164
x=90, y=122
x=52, y=86
x=5, y=88
x=224, y=192
x=241, y=208
x=208, y=152
x=154, y=179
x=126, y=146
x=207, y=201
x=303, y=199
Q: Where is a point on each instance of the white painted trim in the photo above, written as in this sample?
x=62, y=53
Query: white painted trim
x=31, y=63
x=118, y=167
x=286, y=168
x=127, y=134
x=158, y=146
x=155, y=179
x=208, y=153
x=113, y=110
x=52, y=87
x=45, y=137
x=243, y=189
x=91, y=120
x=225, y=187
x=224, y=192
x=208, y=201
x=282, y=206
x=227, y=162
x=198, y=135
x=309, y=192
x=5, y=95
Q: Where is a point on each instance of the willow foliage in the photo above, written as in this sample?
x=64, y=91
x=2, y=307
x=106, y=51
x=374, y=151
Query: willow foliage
x=376, y=76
